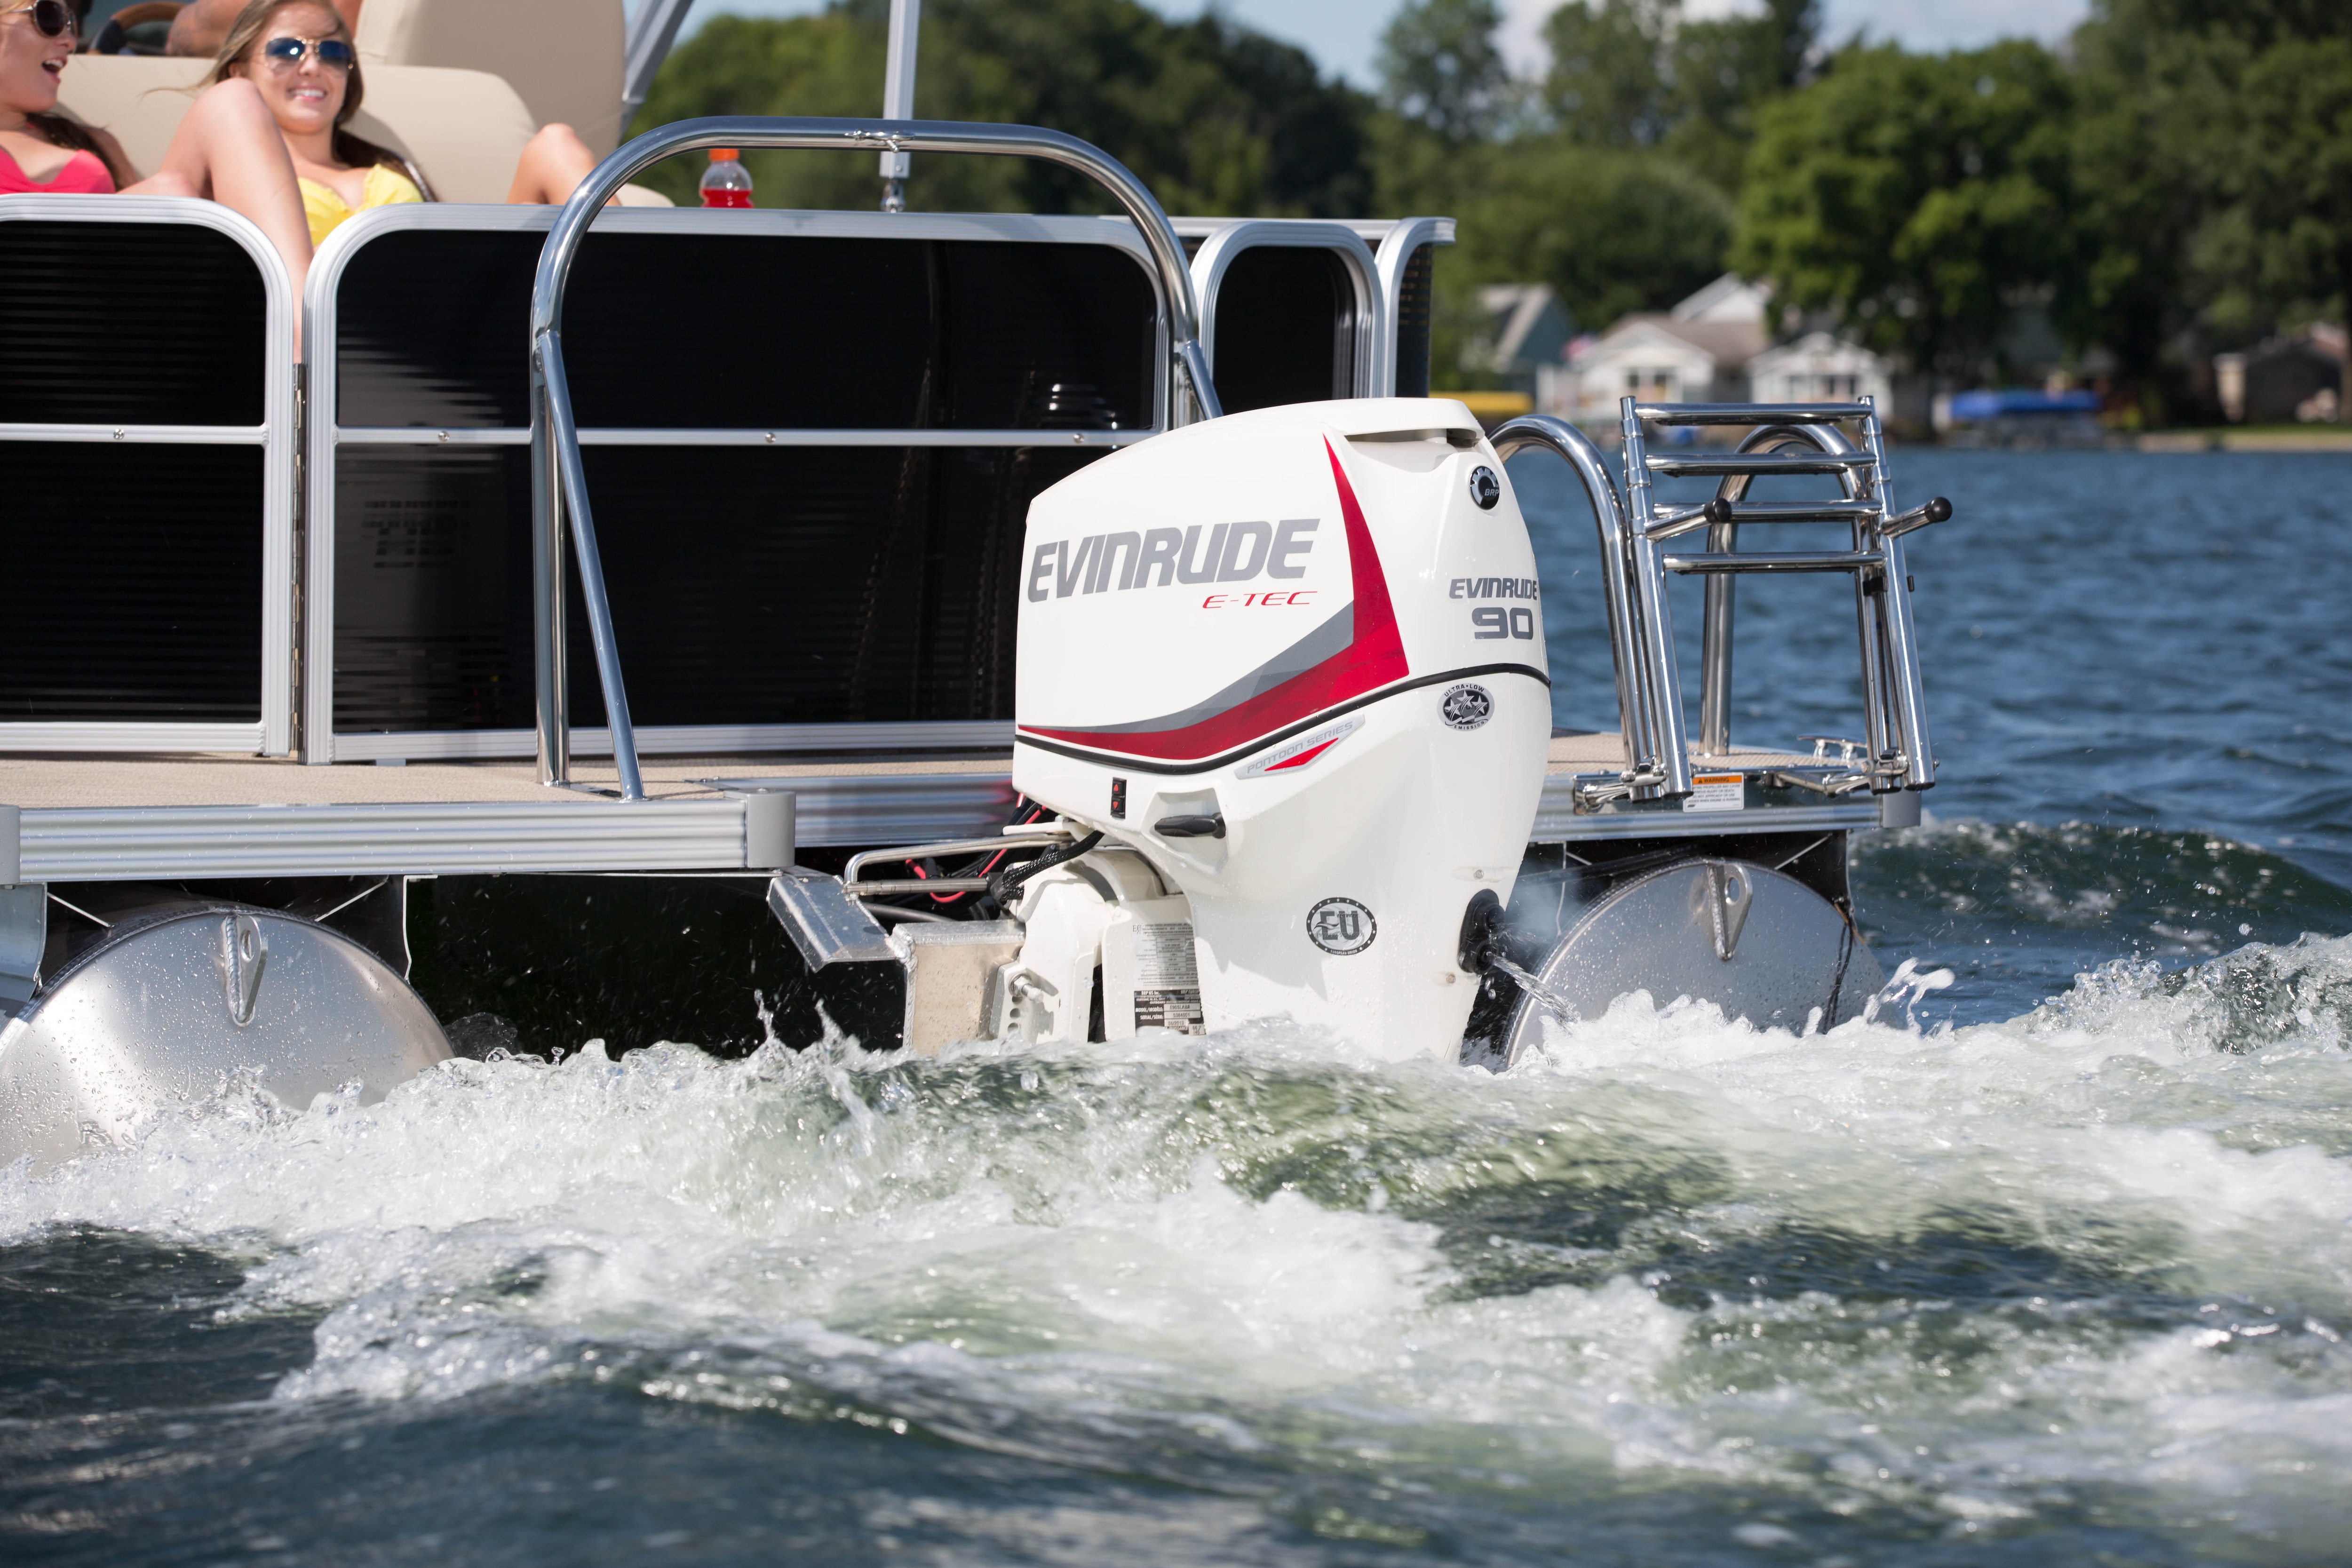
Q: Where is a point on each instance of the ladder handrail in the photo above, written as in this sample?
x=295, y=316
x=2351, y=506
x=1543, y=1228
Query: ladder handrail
x=1636, y=695
x=559, y=485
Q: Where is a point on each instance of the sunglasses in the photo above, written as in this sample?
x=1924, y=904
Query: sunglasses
x=53, y=19
x=291, y=52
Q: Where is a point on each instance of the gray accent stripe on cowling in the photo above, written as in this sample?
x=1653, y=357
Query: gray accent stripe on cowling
x=1326, y=641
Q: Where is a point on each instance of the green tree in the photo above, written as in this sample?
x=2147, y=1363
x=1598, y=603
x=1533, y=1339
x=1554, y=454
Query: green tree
x=1440, y=67
x=1213, y=118
x=2137, y=200
x=1637, y=73
x=2211, y=150
x=1611, y=80
x=1920, y=197
x=1612, y=227
x=2292, y=181
x=1611, y=230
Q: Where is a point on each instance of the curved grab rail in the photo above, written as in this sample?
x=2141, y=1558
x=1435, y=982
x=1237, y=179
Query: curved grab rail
x=1894, y=706
x=1649, y=706
x=558, y=480
x=1716, y=618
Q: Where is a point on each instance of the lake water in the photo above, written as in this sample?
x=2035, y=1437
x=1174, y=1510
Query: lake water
x=2056, y=1269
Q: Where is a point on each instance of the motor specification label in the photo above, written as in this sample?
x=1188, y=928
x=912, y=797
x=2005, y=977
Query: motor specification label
x=1717, y=792
x=1166, y=978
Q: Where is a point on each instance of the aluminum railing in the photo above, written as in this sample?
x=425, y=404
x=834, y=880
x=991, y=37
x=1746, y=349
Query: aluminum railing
x=559, y=480
x=1641, y=636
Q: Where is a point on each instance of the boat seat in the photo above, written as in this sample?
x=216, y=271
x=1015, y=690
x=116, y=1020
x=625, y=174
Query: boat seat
x=463, y=129
x=565, y=58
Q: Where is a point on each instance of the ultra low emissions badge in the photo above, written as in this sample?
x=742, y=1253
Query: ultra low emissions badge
x=1466, y=706
x=1341, y=927
x=1485, y=487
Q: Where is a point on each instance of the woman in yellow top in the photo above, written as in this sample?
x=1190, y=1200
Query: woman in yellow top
x=298, y=53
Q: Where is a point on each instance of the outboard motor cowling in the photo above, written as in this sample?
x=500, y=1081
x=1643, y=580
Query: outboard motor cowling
x=1296, y=658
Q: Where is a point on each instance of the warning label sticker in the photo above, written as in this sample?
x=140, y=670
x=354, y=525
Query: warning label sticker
x=1167, y=980
x=1717, y=792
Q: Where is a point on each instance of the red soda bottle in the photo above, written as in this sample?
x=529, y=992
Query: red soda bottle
x=726, y=183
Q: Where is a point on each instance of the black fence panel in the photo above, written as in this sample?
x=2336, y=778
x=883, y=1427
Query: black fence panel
x=749, y=585
x=1286, y=328
x=752, y=330
x=129, y=324
x=139, y=583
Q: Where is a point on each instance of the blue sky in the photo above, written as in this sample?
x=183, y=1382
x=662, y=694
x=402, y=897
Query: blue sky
x=1343, y=34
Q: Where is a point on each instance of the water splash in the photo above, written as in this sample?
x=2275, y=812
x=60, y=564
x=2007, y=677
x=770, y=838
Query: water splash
x=1883, y=1283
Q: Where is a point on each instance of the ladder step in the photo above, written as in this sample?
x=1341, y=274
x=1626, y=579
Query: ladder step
x=1665, y=523
x=1748, y=413
x=1803, y=510
x=1758, y=463
x=1724, y=564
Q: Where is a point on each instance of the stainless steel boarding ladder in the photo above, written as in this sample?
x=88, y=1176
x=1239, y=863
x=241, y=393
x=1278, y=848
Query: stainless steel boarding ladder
x=559, y=482
x=1790, y=439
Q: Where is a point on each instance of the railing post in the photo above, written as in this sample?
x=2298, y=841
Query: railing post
x=1902, y=641
x=1657, y=629
x=1714, y=642
x=552, y=695
x=898, y=96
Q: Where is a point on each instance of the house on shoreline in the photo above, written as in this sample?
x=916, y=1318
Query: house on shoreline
x=1714, y=347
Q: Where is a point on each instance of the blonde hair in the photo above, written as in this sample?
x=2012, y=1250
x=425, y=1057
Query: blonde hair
x=246, y=34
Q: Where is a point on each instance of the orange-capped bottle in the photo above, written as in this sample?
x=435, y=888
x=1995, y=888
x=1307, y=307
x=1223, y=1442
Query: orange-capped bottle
x=726, y=183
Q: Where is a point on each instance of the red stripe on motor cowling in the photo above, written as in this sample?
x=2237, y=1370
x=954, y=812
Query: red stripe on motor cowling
x=1373, y=659
x=1303, y=758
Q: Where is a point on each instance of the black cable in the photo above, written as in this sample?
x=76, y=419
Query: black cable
x=1001, y=885
x=1837, y=983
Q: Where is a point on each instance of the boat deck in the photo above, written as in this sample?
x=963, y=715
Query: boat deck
x=47, y=783
x=113, y=817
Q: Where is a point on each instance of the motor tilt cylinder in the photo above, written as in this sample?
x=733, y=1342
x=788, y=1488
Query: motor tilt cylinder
x=1296, y=658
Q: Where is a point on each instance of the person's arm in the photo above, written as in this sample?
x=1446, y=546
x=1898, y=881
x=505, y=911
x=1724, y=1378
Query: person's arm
x=230, y=149
x=350, y=12
x=552, y=163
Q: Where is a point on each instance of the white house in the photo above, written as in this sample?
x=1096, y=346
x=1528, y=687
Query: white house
x=1819, y=367
x=1713, y=347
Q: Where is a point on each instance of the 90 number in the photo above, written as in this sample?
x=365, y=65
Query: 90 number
x=1494, y=621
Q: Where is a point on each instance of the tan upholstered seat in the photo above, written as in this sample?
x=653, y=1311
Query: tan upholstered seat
x=463, y=129
x=562, y=57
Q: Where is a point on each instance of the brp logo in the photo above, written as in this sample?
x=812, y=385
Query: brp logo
x=1485, y=487
x=1341, y=927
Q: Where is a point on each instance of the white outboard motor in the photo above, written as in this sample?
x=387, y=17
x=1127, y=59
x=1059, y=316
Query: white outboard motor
x=1294, y=660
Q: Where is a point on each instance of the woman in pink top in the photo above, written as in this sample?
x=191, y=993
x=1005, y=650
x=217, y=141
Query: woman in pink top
x=227, y=149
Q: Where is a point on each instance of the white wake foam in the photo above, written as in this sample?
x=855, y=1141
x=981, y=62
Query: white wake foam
x=1261, y=1241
